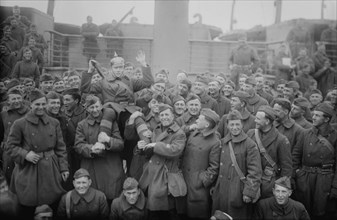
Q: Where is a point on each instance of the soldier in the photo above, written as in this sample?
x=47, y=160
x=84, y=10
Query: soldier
x=16, y=109
x=223, y=102
x=74, y=79
x=291, y=91
x=243, y=59
x=260, y=81
x=298, y=37
x=199, y=88
x=238, y=102
x=228, y=89
x=46, y=83
x=58, y=85
x=17, y=32
x=326, y=77
x=183, y=89
x=12, y=44
x=200, y=164
x=274, y=149
x=315, y=98
x=100, y=152
x=36, y=145
x=163, y=74
x=83, y=202
x=117, y=92
x=37, y=56
x=238, y=184
x=53, y=109
x=21, y=19
x=131, y=204
x=39, y=39
x=282, y=71
x=74, y=113
x=7, y=60
x=90, y=32
x=302, y=60
x=281, y=206
x=187, y=120
x=27, y=68
x=314, y=162
x=298, y=109
x=286, y=125
x=320, y=56
x=179, y=106
x=162, y=178
x=254, y=100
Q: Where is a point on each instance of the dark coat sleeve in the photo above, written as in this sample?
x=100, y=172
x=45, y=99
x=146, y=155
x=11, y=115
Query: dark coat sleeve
x=81, y=144
x=60, y=149
x=14, y=143
x=212, y=171
x=145, y=82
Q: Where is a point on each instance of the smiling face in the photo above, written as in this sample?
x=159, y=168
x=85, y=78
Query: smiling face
x=27, y=55
x=14, y=101
x=194, y=107
x=166, y=117
x=54, y=106
x=234, y=127
x=74, y=81
x=69, y=103
x=154, y=106
x=47, y=86
x=82, y=184
x=95, y=109
x=199, y=88
x=261, y=120
x=281, y=194
x=38, y=106
x=318, y=118
x=179, y=107
x=59, y=86
x=315, y=99
x=227, y=90
x=236, y=104
x=214, y=87
x=158, y=88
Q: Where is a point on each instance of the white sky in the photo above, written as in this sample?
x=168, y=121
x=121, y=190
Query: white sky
x=248, y=13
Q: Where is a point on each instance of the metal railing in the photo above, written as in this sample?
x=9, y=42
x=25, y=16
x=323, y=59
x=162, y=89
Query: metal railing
x=67, y=51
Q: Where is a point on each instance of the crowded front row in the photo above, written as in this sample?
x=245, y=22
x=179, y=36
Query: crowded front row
x=114, y=144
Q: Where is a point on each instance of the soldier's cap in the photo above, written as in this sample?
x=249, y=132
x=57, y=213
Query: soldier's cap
x=284, y=182
x=186, y=82
x=316, y=91
x=117, y=60
x=16, y=7
x=285, y=103
x=14, y=92
x=27, y=80
x=46, y=77
x=192, y=97
x=230, y=83
x=53, y=95
x=90, y=100
x=164, y=72
x=130, y=183
x=281, y=81
x=159, y=81
x=71, y=91
x=81, y=173
x=202, y=79
x=269, y=111
x=57, y=79
x=325, y=108
x=210, y=115
x=74, y=73
x=219, y=215
x=222, y=75
x=177, y=99
x=164, y=107
x=43, y=209
x=301, y=102
x=12, y=83
x=251, y=80
x=292, y=85
x=127, y=64
x=35, y=94
x=234, y=115
x=243, y=96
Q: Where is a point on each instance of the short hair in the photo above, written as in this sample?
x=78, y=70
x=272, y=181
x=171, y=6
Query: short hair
x=74, y=93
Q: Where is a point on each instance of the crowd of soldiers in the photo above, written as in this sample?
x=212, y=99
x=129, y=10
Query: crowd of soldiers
x=116, y=143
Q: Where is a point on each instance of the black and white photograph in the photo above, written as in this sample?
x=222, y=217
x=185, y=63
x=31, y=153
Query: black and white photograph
x=168, y=109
